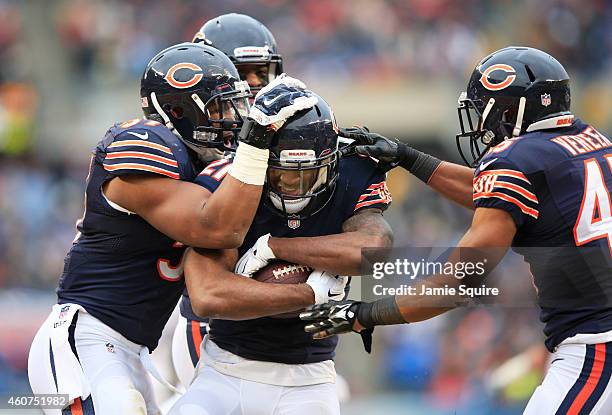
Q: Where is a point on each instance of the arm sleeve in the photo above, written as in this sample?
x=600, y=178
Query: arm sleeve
x=502, y=185
x=212, y=176
x=130, y=153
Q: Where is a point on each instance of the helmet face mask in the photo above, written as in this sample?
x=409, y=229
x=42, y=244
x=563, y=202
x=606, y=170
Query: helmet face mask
x=483, y=125
x=223, y=114
x=510, y=92
x=257, y=74
x=304, y=164
x=294, y=181
x=197, y=93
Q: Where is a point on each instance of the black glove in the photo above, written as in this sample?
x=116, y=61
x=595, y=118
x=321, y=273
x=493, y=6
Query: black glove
x=391, y=152
x=335, y=318
x=388, y=151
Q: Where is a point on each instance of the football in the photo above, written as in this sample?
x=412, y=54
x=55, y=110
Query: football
x=282, y=272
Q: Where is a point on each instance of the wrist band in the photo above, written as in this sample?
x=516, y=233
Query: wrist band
x=250, y=164
x=421, y=165
x=380, y=313
x=424, y=166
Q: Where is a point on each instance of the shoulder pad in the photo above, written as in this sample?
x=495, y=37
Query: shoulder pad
x=141, y=146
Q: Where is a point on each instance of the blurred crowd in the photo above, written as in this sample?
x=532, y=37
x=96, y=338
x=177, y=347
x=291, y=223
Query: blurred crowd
x=352, y=39
x=99, y=46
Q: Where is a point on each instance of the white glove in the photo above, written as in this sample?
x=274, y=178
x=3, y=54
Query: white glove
x=326, y=286
x=279, y=100
x=255, y=258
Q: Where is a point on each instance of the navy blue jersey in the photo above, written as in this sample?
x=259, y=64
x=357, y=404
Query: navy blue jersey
x=556, y=186
x=360, y=186
x=121, y=269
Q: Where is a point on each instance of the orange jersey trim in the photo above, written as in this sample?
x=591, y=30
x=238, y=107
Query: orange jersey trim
x=141, y=155
x=518, y=189
x=371, y=202
x=139, y=143
x=143, y=167
x=504, y=172
x=524, y=208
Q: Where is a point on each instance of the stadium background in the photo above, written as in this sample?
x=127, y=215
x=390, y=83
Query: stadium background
x=70, y=68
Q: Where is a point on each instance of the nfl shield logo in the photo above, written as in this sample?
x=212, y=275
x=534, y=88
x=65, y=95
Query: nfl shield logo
x=546, y=99
x=63, y=311
x=293, y=223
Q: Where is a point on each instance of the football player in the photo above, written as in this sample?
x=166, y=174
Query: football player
x=123, y=274
x=317, y=210
x=252, y=48
x=248, y=43
x=543, y=179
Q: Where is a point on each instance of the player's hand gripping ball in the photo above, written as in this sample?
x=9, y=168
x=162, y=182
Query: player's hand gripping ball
x=255, y=258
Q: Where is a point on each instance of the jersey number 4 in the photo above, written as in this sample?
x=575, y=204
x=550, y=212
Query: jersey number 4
x=595, y=216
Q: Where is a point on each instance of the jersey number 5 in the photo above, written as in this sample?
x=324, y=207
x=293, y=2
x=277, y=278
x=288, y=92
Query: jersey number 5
x=595, y=216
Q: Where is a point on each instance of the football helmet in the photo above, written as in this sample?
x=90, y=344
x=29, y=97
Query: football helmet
x=303, y=164
x=248, y=43
x=195, y=90
x=512, y=91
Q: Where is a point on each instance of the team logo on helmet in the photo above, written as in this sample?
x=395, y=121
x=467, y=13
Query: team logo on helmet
x=197, y=77
x=510, y=77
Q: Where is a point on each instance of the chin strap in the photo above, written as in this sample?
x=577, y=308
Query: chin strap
x=519, y=117
x=199, y=103
x=162, y=113
x=486, y=112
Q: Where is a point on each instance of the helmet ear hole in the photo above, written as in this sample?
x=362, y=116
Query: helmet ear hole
x=177, y=112
x=509, y=115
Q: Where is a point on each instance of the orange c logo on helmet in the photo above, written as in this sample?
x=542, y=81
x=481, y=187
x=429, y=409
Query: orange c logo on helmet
x=510, y=77
x=184, y=84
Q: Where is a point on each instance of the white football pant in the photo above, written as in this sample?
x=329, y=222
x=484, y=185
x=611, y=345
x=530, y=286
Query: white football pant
x=113, y=379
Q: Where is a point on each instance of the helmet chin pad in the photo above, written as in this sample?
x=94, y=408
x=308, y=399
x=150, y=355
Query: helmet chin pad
x=291, y=205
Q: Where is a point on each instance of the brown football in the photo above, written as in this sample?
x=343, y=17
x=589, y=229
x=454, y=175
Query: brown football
x=283, y=272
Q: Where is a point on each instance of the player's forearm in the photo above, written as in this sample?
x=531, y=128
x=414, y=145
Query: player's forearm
x=405, y=308
x=338, y=254
x=228, y=213
x=422, y=307
x=474, y=248
x=215, y=291
x=450, y=180
x=453, y=182
x=235, y=297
